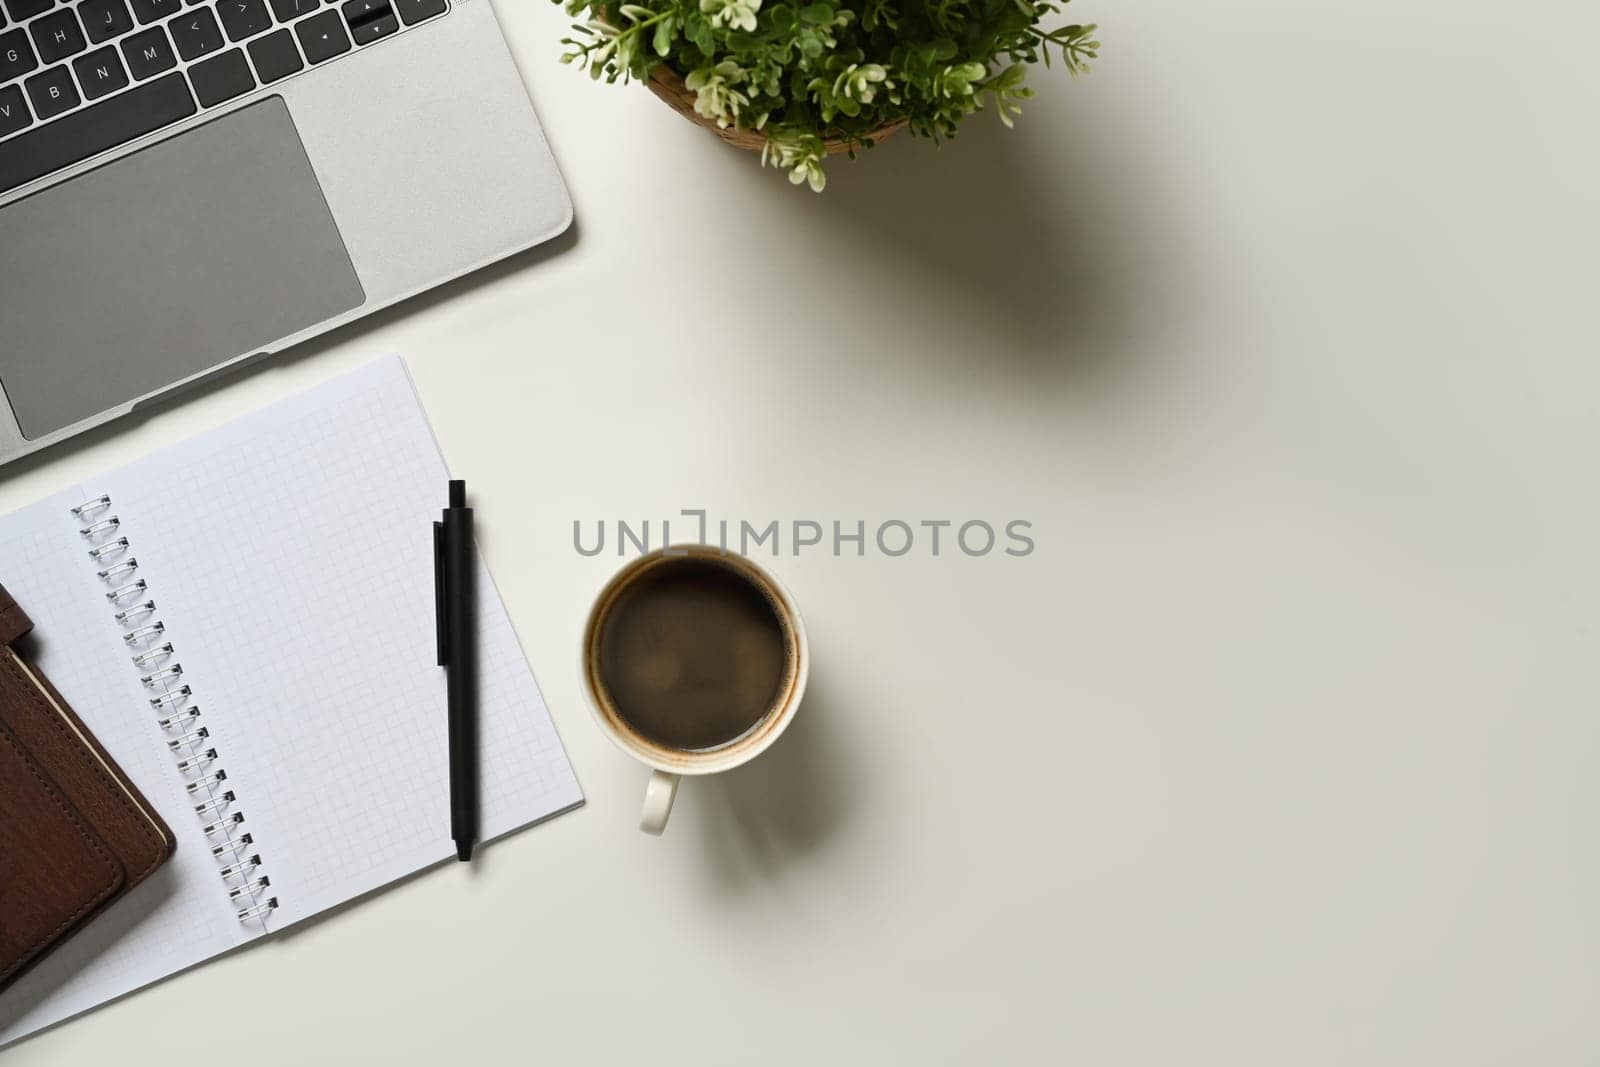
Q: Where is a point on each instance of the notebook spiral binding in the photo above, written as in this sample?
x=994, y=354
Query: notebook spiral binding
x=177, y=712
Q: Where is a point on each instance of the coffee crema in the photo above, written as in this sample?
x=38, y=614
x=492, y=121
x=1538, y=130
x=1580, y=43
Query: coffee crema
x=693, y=654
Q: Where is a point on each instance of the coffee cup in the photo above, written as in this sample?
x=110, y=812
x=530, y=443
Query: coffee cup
x=695, y=660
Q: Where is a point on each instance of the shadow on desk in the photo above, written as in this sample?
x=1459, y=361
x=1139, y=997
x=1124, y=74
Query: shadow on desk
x=785, y=804
x=1033, y=235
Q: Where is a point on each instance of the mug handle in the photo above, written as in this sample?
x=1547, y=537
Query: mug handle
x=659, y=794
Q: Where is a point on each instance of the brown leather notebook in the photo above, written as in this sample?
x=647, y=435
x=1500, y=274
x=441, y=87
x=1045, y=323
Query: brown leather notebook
x=75, y=834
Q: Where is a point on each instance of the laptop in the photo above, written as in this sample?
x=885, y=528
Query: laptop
x=189, y=185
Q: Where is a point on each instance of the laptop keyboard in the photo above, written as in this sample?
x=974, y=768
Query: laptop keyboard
x=78, y=77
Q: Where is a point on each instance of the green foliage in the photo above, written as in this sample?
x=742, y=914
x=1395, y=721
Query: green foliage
x=802, y=71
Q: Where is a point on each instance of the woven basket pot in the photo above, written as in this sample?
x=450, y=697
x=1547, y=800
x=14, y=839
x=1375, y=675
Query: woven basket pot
x=668, y=85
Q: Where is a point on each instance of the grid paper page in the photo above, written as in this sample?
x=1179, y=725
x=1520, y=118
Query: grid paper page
x=179, y=916
x=291, y=554
x=290, y=557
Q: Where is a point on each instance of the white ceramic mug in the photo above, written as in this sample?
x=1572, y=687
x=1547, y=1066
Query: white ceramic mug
x=669, y=765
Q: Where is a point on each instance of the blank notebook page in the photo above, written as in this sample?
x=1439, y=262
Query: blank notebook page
x=291, y=555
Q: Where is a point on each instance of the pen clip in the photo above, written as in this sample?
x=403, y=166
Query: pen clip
x=439, y=624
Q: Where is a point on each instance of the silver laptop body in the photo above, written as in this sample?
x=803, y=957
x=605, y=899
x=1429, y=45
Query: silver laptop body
x=291, y=180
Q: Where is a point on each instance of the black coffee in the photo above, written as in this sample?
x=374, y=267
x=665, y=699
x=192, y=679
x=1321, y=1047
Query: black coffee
x=692, y=654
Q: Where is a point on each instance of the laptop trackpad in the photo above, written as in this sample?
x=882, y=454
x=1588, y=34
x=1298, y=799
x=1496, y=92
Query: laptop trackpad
x=211, y=245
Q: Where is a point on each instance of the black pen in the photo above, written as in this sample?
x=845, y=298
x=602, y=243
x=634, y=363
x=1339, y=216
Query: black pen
x=455, y=583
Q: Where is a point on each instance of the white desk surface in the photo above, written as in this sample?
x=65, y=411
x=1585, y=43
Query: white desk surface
x=1279, y=749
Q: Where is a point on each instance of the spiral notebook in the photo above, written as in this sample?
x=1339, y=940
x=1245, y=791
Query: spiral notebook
x=246, y=622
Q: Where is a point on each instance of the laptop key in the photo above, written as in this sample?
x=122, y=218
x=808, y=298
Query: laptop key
x=26, y=9
x=322, y=36
x=52, y=92
x=414, y=11
x=222, y=78
x=148, y=53
x=370, y=19
x=13, y=111
x=57, y=36
x=16, y=55
x=148, y=11
x=275, y=56
x=244, y=18
x=100, y=72
x=196, y=33
x=289, y=10
x=105, y=19
x=115, y=120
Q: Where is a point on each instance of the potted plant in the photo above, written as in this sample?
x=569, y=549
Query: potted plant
x=798, y=80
